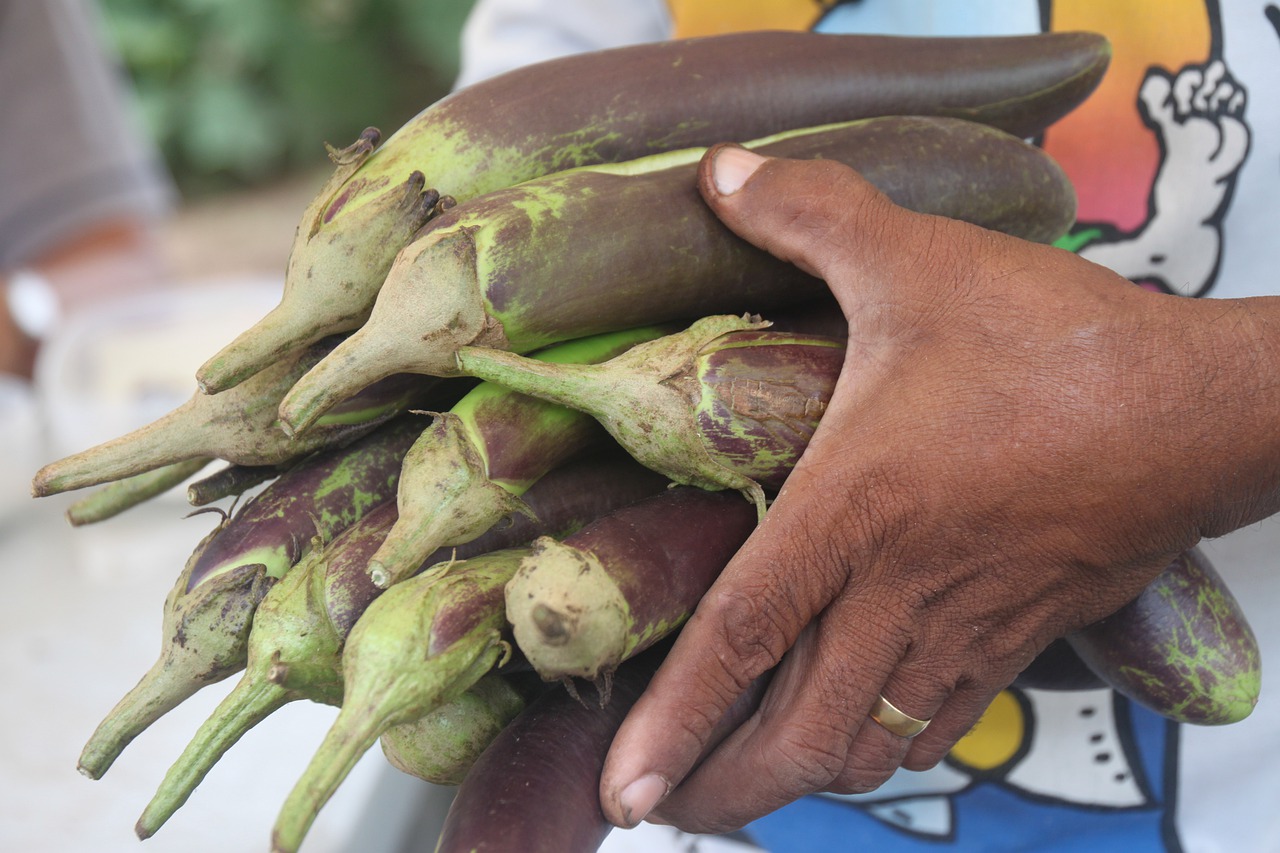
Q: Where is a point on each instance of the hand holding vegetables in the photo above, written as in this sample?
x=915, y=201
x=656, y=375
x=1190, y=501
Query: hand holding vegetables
x=981, y=483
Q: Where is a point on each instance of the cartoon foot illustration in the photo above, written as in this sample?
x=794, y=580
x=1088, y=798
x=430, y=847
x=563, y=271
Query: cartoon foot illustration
x=1197, y=117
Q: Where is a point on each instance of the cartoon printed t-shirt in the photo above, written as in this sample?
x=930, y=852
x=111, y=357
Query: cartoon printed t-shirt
x=1191, y=207
x=1176, y=163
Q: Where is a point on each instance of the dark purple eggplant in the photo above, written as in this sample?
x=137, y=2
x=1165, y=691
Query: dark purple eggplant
x=536, y=788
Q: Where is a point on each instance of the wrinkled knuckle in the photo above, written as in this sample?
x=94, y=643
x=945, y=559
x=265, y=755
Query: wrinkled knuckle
x=858, y=781
x=754, y=631
x=805, y=763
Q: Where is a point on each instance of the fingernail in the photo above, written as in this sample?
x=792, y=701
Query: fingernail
x=639, y=798
x=732, y=167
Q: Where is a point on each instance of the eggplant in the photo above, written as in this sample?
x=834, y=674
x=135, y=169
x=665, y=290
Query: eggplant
x=1183, y=648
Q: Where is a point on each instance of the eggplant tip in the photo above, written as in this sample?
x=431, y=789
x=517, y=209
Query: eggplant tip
x=143, y=832
x=379, y=575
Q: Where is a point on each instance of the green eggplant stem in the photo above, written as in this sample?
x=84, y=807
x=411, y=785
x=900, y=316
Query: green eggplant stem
x=114, y=498
x=251, y=701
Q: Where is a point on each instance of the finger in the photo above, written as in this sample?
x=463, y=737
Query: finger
x=1213, y=75
x=1184, y=89
x=721, y=794
x=955, y=719
x=741, y=628
x=817, y=214
x=1156, y=95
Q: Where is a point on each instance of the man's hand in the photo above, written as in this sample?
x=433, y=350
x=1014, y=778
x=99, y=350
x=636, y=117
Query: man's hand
x=1019, y=441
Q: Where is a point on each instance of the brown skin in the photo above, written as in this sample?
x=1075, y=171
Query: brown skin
x=1020, y=440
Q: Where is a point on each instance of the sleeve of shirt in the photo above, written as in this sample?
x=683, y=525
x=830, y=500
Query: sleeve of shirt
x=504, y=34
x=71, y=153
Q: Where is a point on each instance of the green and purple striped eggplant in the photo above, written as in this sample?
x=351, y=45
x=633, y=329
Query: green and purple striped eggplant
x=617, y=105
x=1182, y=648
x=470, y=467
x=612, y=247
x=209, y=611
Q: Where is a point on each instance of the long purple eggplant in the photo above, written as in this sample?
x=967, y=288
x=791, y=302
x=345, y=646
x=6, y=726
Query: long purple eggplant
x=208, y=613
x=616, y=105
x=521, y=268
x=536, y=788
x=722, y=404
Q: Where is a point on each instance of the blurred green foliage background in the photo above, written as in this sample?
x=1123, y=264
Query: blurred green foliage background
x=241, y=92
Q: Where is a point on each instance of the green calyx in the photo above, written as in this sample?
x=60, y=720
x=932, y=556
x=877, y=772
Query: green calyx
x=445, y=498
x=418, y=646
x=206, y=634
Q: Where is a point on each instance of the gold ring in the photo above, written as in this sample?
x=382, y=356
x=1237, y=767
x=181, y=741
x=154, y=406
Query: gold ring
x=898, y=723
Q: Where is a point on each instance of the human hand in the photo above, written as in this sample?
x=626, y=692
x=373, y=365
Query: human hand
x=1019, y=441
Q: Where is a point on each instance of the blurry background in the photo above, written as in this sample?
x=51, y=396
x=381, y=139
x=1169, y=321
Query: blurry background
x=238, y=97
x=240, y=94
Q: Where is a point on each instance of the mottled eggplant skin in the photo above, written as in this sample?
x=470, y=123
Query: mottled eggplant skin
x=1182, y=648
x=536, y=788
x=664, y=552
x=320, y=496
x=615, y=105
x=562, y=502
x=535, y=243
x=761, y=397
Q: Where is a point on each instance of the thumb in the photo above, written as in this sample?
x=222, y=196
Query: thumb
x=820, y=215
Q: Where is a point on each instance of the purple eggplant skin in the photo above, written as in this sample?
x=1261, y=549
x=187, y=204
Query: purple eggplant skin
x=561, y=503
x=762, y=394
x=1182, y=648
x=536, y=788
x=580, y=607
x=320, y=496
x=614, y=105
x=940, y=166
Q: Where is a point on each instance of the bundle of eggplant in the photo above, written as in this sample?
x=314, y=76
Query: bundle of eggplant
x=512, y=427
